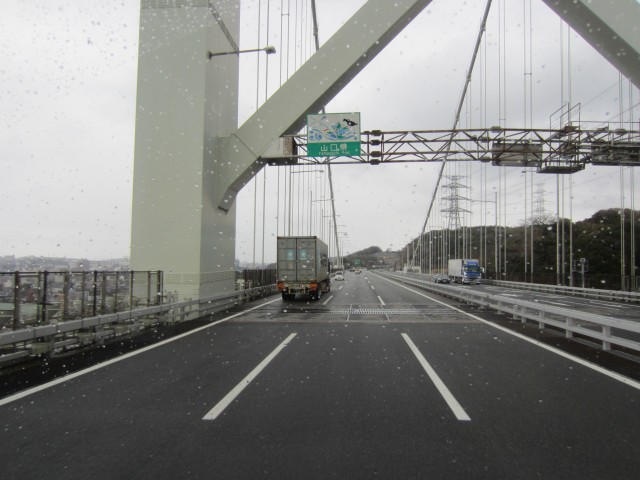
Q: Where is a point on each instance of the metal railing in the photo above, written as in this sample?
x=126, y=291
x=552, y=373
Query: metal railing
x=595, y=293
x=251, y=278
x=56, y=335
x=606, y=330
x=37, y=298
x=612, y=295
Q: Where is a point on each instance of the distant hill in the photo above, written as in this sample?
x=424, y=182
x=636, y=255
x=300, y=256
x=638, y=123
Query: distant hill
x=597, y=240
x=372, y=257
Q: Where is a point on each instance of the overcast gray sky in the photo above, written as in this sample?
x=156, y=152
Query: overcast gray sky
x=67, y=93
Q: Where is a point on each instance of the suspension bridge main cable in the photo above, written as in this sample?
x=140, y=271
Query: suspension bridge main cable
x=483, y=25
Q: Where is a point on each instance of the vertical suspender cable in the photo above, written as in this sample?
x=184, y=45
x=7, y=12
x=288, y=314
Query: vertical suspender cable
x=623, y=267
x=500, y=122
x=266, y=74
x=298, y=197
x=632, y=223
x=564, y=261
x=295, y=37
x=564, y=249
x=558, y=175
x=309, y=222
x=303, y=199
x=255, y=178
x=292, y=171
x=281, y=38
x=288, y=35
x=255, y=201
x=301, y=32
x=264, y=170
x=632, y=220
x=504, y=120
x=332, y=196
x=289, y=203
x=500, y=47
x=558, y=229
x=264, y=202
x=278, y=205
x=285, y=217
x=524, y=94
x=305, y=40
x=483, y=167
x=258, y=56
x=531, y=267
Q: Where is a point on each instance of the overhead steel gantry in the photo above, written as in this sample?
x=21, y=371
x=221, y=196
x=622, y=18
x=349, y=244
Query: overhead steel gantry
x=611, y=31
x=565, y=150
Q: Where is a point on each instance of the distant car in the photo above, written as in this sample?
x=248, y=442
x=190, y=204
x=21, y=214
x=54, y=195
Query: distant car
x=358, y=271
x=352, y=270
x=339, y=277
x=442, y=278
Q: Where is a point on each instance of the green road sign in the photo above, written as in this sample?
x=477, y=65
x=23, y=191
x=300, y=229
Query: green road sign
x=333, y=135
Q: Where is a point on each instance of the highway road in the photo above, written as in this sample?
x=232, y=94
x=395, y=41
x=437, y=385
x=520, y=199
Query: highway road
x=374, y=380
x=628, y=311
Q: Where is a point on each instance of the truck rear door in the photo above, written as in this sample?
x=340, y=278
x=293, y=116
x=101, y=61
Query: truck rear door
x=306, y=263
x=287, y=258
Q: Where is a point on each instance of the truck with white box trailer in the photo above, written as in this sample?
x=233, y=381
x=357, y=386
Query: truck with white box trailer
x=462, y=270
x=303, y=267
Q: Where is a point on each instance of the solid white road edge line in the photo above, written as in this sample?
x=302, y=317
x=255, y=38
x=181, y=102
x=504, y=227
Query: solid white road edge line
x=592, y=366
x=231, y=396
x=71, y=376
x=608, y=304
x=455, y=407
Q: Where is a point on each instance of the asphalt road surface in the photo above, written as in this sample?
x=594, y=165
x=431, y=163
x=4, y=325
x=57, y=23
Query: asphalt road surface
x=374, y=380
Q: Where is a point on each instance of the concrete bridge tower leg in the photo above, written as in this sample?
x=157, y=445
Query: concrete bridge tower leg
x=185, y=102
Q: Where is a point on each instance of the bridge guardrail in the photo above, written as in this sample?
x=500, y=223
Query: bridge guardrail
x=29, y=299
x=612, y=295
x=56, y=336
x=596, y=327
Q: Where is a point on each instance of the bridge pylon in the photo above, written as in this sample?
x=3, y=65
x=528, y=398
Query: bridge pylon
x=185, y=103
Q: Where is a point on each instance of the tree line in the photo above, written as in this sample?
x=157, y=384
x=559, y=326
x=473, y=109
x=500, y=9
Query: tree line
x=601, y=251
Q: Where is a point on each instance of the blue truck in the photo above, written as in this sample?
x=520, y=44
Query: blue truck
x=462, y=270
